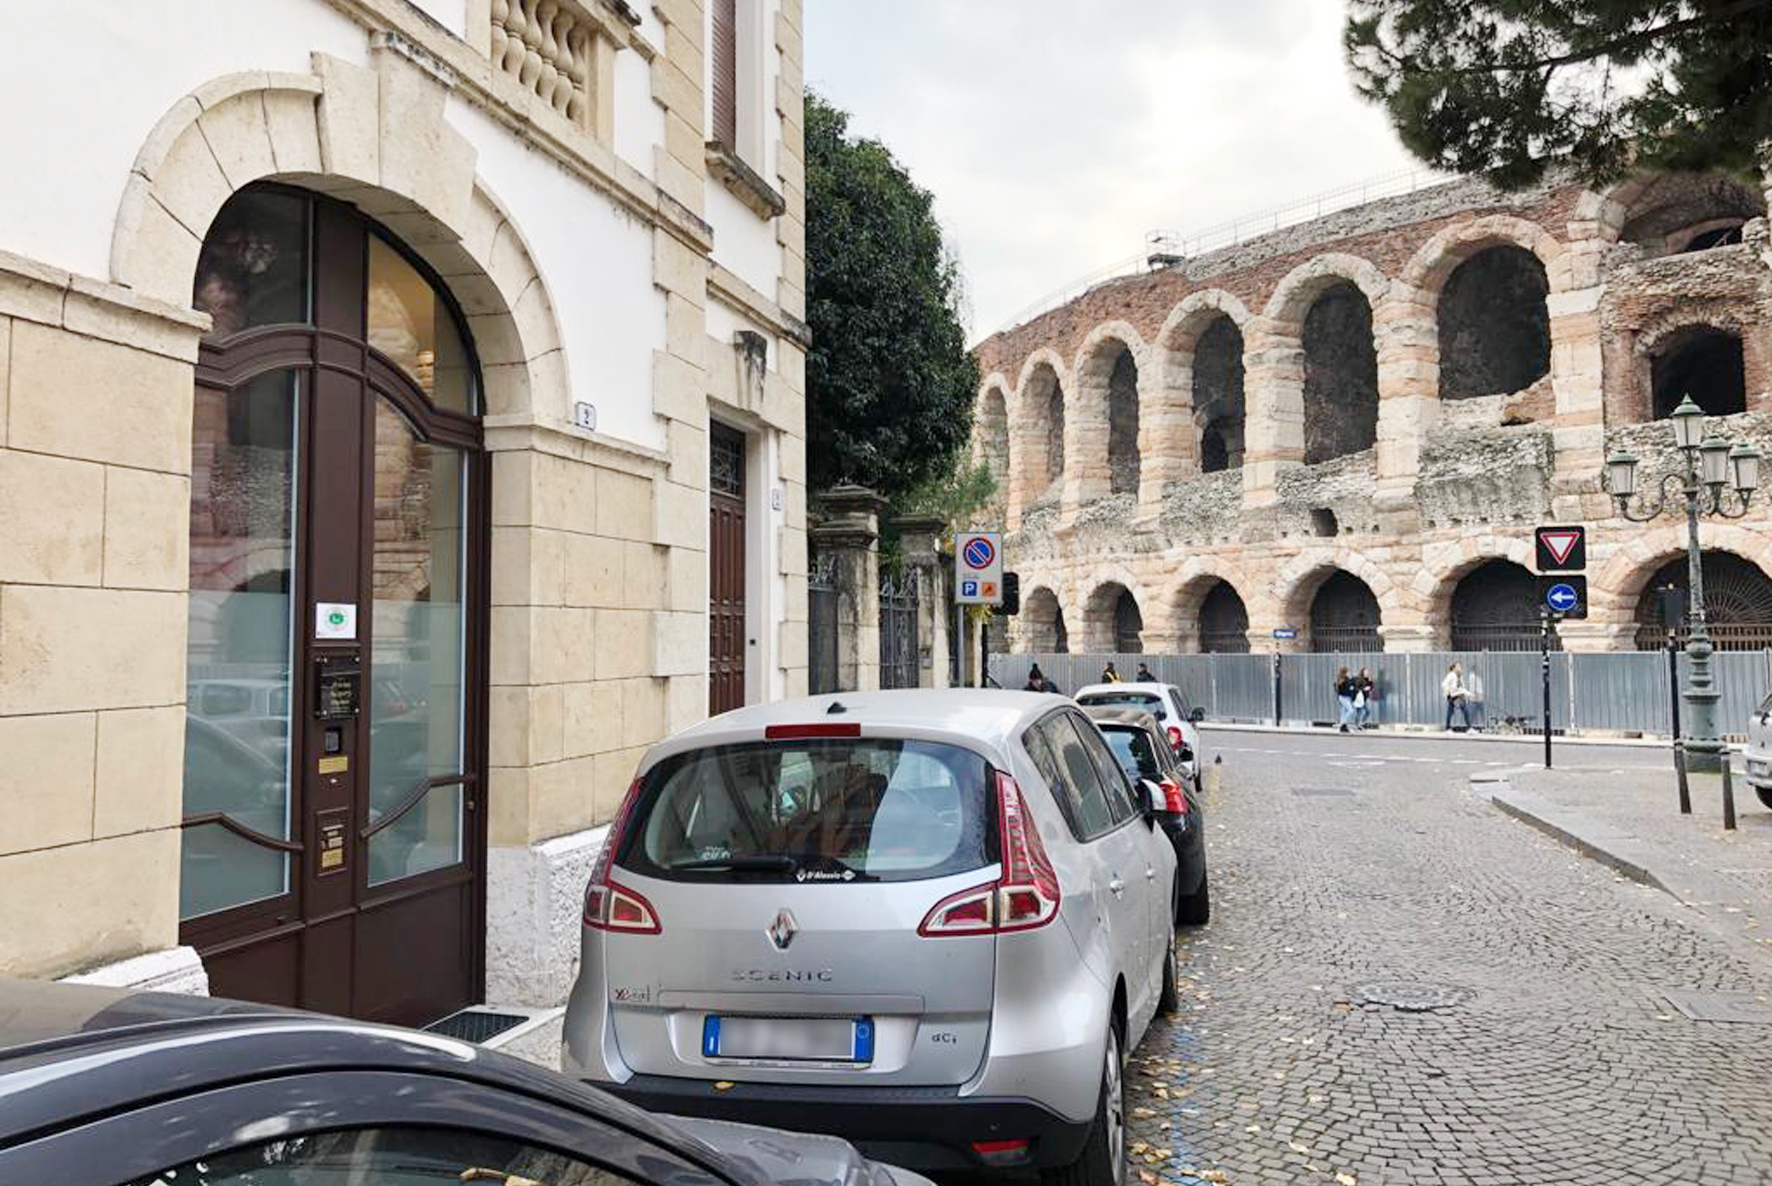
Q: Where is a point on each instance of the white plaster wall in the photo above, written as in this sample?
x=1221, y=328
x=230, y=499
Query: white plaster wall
x=72, y=137
x=597, y=263
x=451, y=14
x=743, y=243
x=639, y=119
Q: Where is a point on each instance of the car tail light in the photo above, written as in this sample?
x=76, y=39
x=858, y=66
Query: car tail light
x=812, y=730
x=1175, y=801
x=1174, y=737
x=610, y=906
x=1001, y=1152
x=1025, y=896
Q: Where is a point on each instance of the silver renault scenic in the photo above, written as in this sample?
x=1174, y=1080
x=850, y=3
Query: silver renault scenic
x=931, y=922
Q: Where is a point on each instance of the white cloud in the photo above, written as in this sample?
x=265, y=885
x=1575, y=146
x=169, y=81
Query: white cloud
x=1054, y=134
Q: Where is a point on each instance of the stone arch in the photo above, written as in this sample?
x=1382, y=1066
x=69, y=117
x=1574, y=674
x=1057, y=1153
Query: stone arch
x=1037, y=454
x=325, y=132
x=1654, y=209
x=1737, y=601
x=1195, y=396
x=1113, y=620
x=1042, y=625
x=1314, y=359
x=1700, y=358
x=1613, y=591
x=1186, y=603
x=1493, y=606
x=990, y=428
x=1443, y=566
x=1297, y=580
x=1103, y=436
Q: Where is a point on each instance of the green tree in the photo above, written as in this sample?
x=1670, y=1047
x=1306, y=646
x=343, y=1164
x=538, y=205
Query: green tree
x=1511, y=88
x=889, y=383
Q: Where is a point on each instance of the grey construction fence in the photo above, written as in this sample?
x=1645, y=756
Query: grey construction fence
x=1613, y=692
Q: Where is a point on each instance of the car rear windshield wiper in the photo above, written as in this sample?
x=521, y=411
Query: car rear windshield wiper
x=763, y=864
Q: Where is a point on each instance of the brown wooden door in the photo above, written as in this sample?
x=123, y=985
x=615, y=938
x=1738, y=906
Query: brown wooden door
x=334, y=846
x=727, y=641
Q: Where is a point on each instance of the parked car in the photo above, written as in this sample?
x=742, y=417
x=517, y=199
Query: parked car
x=114, y=1086
x=1758, y=754
x=932, y=922
x=1141, y=749
x=1166, y=702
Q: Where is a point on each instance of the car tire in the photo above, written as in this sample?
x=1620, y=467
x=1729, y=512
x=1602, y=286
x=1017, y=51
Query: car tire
x=1765, y=794
x=1103, y=1161
x=1169, y=1000
x=1196, y=908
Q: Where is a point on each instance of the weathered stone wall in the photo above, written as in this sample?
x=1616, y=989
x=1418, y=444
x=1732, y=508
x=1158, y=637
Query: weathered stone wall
x=1421, y=381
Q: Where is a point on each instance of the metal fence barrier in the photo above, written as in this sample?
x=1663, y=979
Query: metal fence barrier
x=1613, y=692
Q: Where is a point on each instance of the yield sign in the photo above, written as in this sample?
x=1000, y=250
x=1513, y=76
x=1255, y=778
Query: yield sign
x=1561, y=549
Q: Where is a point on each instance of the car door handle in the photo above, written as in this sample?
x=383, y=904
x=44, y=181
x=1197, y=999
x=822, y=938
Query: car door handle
x=1150, y=874
x=1117, y=886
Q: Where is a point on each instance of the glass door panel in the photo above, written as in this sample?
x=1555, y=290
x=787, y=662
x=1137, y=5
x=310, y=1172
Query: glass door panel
x=237, y=720
x=416, y=701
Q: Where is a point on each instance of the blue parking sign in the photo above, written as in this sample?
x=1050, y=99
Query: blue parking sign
x=968, y=588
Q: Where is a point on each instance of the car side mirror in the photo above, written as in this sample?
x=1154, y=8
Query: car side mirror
x=1156, y=802
x=1196, y=716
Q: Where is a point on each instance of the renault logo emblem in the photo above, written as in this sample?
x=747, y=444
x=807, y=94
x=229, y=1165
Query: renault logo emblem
x=781, y=931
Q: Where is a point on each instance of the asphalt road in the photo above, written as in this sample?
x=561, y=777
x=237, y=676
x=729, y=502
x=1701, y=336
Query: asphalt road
x=1354, y=874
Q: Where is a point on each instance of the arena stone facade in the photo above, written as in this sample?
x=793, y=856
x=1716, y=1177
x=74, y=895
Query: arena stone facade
x=1355, y=423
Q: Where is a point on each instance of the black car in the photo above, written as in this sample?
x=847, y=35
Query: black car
x=109, y=1087
x=1137, y=740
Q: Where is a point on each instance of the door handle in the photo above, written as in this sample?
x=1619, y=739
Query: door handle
x=1117, y=886
x=1150, y=874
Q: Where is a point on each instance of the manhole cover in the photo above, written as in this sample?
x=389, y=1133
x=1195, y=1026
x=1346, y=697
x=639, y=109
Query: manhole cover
x=1745, y=1007
x=1319, y=792
x=1411, y=996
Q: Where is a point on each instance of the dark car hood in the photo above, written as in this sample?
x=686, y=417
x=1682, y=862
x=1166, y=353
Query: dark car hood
x=796, y=1159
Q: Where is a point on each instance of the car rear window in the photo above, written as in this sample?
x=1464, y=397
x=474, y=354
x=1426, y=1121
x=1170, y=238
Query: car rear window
x=866, y=809
x=1145, y=700
x=1133, y=749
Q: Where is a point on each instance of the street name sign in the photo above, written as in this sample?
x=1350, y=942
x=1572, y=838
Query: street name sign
x=1565, y=595
x=1561, y=549
x=978, y=568
x=1284, y=632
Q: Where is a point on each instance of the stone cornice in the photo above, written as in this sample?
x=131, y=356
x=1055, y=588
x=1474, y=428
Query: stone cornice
x=729, y=289
x=507, y=433
x=33, y=291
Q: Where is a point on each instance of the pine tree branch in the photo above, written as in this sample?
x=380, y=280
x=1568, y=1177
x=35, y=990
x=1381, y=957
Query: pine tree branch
x=1626, y=41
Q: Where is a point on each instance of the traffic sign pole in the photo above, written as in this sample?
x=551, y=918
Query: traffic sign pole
x=1544, y=618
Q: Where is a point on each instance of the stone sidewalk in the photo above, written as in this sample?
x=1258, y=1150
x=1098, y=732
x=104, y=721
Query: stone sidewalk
x=1630, y=821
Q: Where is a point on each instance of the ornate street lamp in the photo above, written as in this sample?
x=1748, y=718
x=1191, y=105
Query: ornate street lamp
x=1710, y=471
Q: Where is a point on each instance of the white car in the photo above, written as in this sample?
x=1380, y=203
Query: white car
x=1758, y=754
x=931, y=922
x=1180, y=721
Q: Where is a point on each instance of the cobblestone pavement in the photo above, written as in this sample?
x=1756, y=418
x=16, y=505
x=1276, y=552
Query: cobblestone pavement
x=1555, y=1059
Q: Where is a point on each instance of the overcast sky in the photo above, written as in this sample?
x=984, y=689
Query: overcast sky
x=1055, y=133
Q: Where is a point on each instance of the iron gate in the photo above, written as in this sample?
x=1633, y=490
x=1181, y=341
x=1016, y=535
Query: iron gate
x=898, y=630
x=821, y=626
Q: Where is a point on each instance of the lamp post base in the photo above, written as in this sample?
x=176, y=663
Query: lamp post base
x=1703, y=761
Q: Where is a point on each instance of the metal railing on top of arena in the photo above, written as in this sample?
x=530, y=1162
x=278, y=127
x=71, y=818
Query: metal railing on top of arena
x=1611, y=692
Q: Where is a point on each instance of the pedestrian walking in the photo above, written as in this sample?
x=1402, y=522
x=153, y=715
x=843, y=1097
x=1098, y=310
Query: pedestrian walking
x=1453, y=687
x=1109, y=675
x=1143, y=675
x=1473, y=698
x=1365, y=688
x=1344, y=696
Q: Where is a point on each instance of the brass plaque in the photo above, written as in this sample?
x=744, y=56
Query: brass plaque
x=332, y=858
x=336, y=764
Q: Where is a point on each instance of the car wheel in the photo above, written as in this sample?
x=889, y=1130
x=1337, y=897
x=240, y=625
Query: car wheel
x=1103, y=1162
x=1170, y=999
x=1196, y=908
x=1765, y=794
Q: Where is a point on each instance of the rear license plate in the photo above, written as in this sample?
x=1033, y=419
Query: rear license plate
x=803, y=1039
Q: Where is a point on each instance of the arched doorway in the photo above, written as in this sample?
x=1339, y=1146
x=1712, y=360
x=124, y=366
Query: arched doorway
x=1340, y=374
x=1495, y=608
x=1344, y=615
x=1737, y=604
x=1042, y=624
x=333, y=846
x=1128, y=625
x=1112, y=621
x=1224, y=621
x=1218, y=395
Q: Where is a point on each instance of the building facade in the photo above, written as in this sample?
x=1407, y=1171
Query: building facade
x=401, y=427
x=1339, y=435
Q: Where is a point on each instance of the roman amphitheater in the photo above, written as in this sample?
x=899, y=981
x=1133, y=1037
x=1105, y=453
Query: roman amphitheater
x=1348, y=427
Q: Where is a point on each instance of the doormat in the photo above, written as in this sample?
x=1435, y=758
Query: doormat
x=476, y=1025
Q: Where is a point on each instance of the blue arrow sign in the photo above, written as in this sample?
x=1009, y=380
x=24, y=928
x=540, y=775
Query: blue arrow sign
x=1561, y=598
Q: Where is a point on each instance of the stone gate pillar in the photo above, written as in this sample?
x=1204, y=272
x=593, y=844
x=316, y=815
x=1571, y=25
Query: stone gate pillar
x=920, y=536
x=849, y=534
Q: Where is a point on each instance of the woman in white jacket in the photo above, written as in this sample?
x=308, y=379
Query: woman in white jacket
x=1456, y=696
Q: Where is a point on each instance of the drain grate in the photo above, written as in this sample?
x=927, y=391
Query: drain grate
x=1744, y=1007
x=476, y=1025
x=1410, y=996
x=1320, y=792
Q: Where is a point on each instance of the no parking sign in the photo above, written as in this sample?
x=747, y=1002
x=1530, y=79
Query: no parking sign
x=978, y=568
